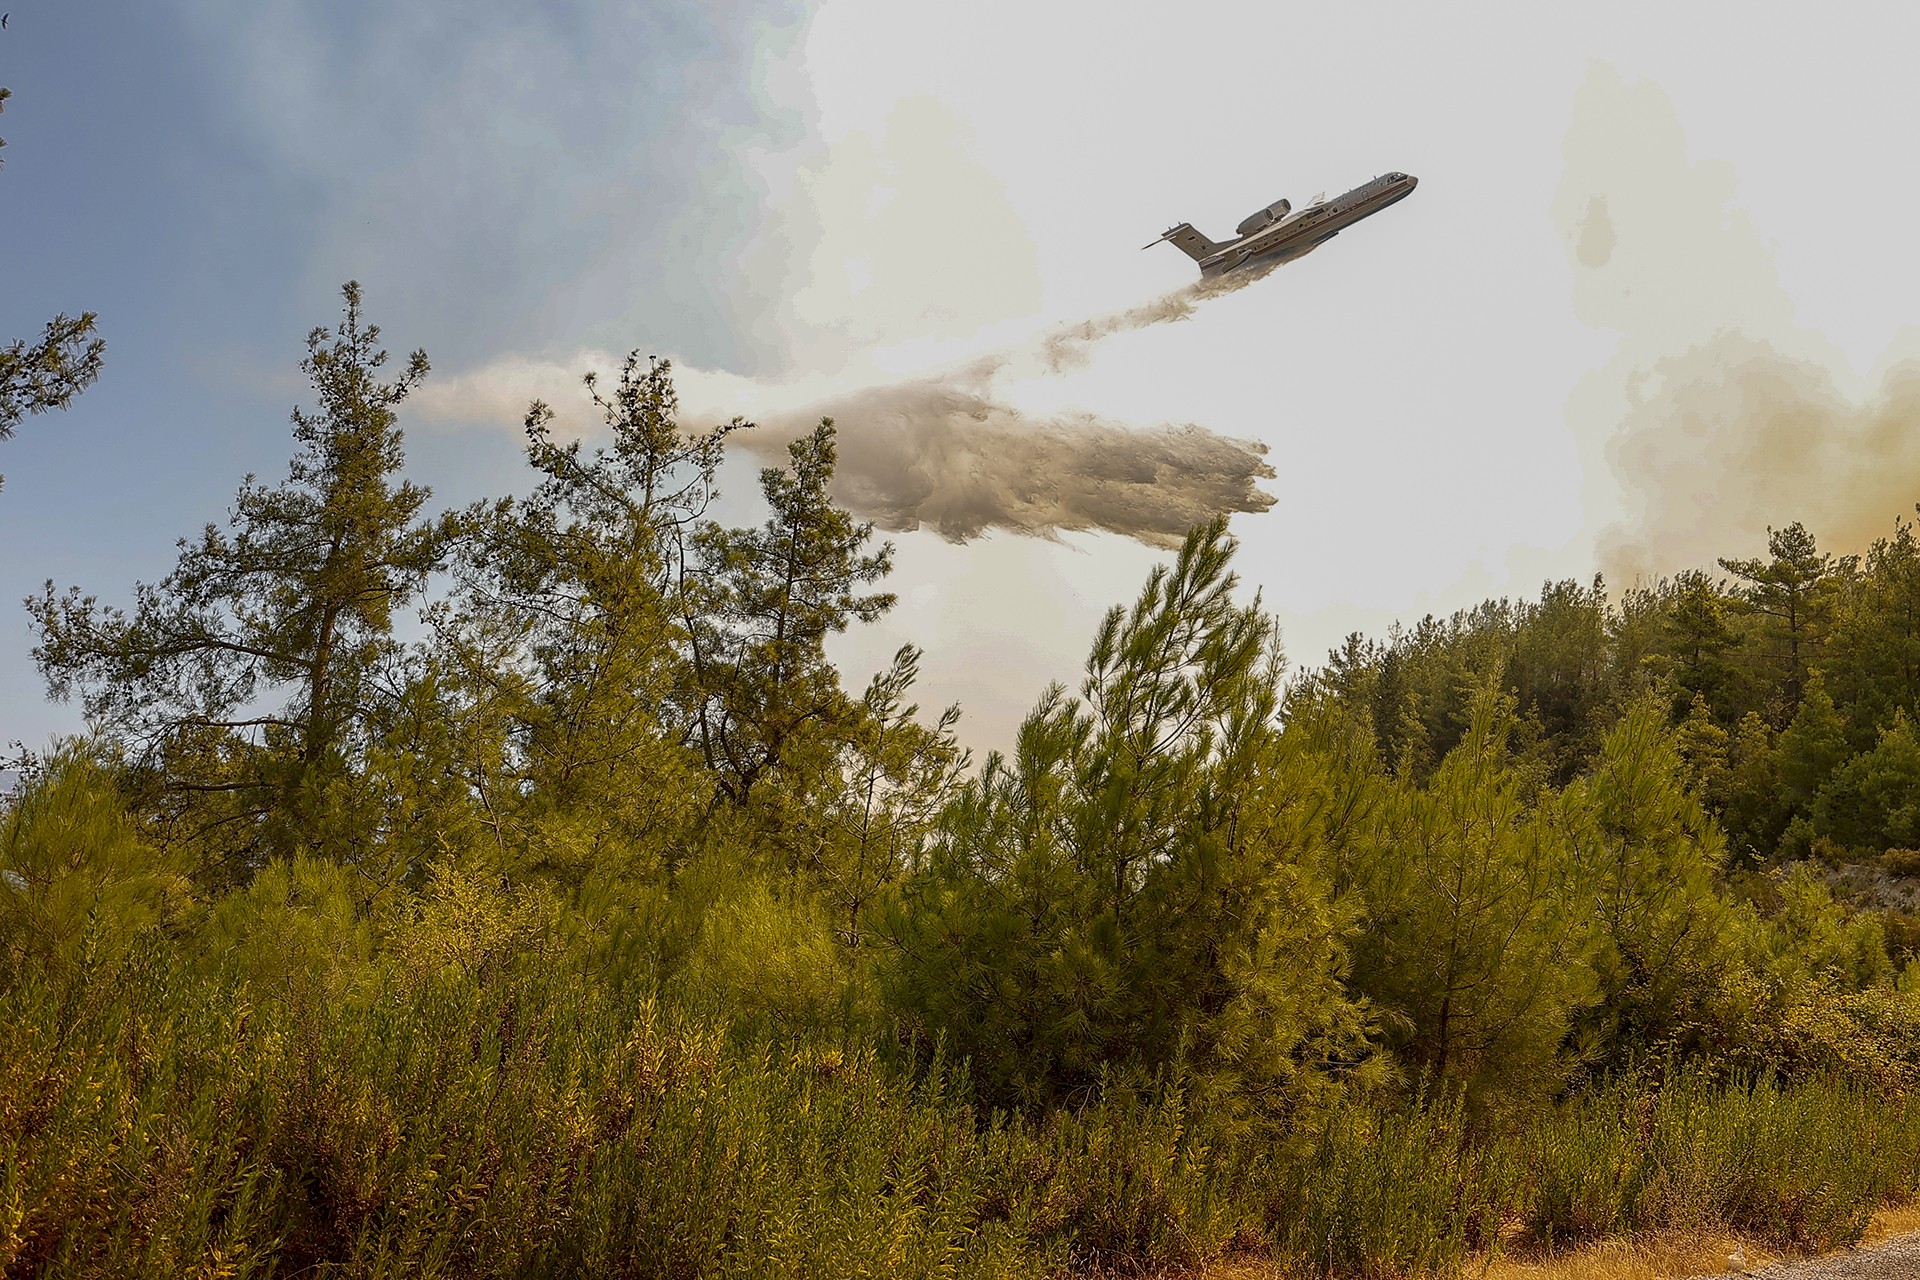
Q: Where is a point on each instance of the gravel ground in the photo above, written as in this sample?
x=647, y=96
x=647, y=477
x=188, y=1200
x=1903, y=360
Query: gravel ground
x=1897, y=1258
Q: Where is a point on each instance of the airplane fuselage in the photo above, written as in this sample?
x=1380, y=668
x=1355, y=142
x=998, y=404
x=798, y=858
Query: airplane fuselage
x=1297, y=232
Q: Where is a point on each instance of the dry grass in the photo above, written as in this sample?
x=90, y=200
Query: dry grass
x=1661, y=1256
x=1893, y=1222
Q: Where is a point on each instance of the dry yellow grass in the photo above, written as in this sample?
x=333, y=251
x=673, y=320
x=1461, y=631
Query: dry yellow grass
x=1653, y=1257
x=1894, y=1222
x=1667, y=1256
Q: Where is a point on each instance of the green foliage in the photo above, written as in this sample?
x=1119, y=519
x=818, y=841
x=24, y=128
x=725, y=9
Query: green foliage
x=1802, y=662
x=759, y=957
x=469, y=925
x=1812, y=746
x=1138, y=1181
x=869, y=813
x=159, y=1122
x=154, y=1121
x=1700, y=639
x=1801, y=1168
x=299, y=597
x=302, y=927
x=76, y=879
x=560, y=646
x=1810, y=936
x=1559, y=671
x=1387, y=1192
x=1650, y=857
x=602, y=932
x=48, y=373
x=1872, y=801
x=1140, y=883
x=1473, y=945
x=1559, y=659
x=1792, y=593
x=761, y=607
x=1757, y=808
x=1707, y=752
x=1873, y=660
x=126, y=1095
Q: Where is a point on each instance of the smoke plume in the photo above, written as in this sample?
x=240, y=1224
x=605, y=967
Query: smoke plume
x=1734, y=437
x=1717, y=415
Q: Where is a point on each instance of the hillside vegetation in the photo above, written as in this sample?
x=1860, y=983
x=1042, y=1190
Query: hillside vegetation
x=599, y=930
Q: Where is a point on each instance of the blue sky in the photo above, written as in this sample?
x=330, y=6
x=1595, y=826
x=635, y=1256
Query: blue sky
x=804, y=202
x=204, y=175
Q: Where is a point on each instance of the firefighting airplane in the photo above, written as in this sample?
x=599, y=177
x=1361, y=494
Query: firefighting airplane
x=1280, y=232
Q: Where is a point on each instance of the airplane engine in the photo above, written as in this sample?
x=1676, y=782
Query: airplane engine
x=1265, y=217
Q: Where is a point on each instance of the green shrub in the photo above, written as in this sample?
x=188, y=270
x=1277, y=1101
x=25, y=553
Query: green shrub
x=1584, y=1167
x=1387, y=1191
x=1133, y=1182
x=1901, y=862
x=485, y=1121
x=159, y=1121
x=1800, y=1167
x=74, y=872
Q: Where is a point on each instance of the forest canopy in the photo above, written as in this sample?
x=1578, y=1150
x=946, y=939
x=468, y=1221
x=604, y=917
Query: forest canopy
x=397, y=947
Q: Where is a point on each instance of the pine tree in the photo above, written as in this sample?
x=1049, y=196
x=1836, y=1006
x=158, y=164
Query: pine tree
x=1791, y=591
x=74, y=872
x=874, y=804
x=1873, y=663
x=1813, y=746
x=49, y=372
x=1142, y=879
x=758, y=607
x=1705, y=750
x=1700, y=640
x=1473, y=946
x=1558, y=670
x=565, y=644
x=1757, y=808
x=1872, y=802
x=1648, y=855
x=241, y=686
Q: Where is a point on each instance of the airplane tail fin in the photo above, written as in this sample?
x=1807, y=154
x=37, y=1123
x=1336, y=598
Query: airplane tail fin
x=1189, y=242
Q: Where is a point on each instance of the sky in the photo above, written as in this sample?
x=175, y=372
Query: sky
x=1654, y=294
